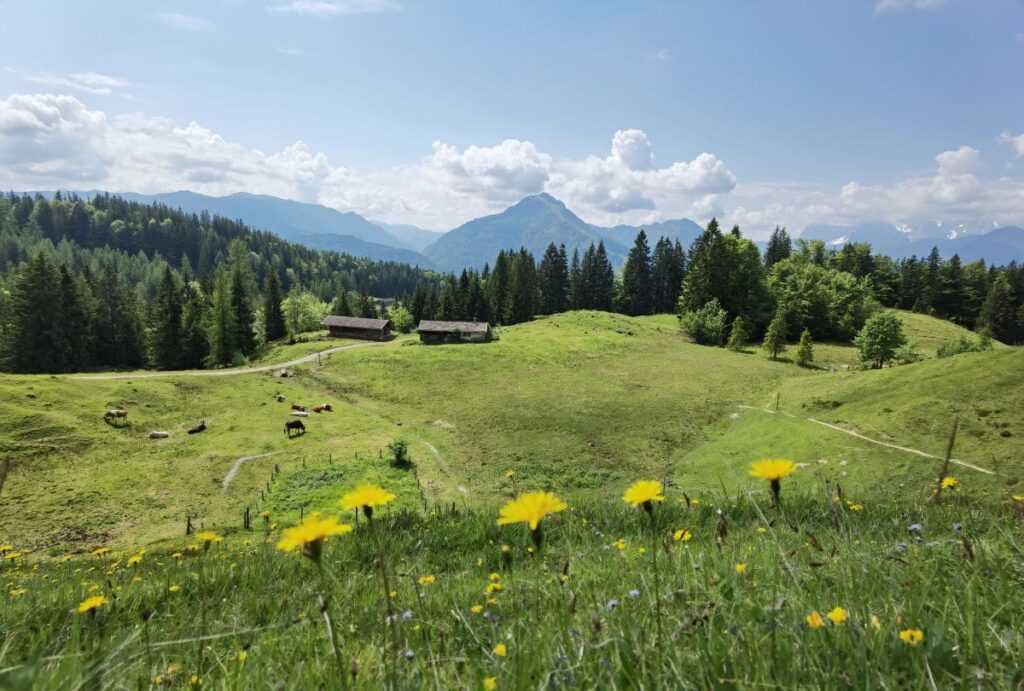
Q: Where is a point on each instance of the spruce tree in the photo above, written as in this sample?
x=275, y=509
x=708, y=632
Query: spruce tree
x=779, y=248
x=775, y=338
x=273, y=318
x=575, y=282
x=738, y=335
x=553, y=280
x=997, y=316
x=342, y=306
x=805, y=351
x=165, y=341
x=241, y=304
x=36, y=343
x=194, y=346
x=637, y=289
x=223, y=330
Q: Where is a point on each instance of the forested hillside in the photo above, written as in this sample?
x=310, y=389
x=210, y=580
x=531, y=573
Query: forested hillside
x=112, y=283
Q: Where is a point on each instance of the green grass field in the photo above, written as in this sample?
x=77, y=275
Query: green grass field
x=581, y=404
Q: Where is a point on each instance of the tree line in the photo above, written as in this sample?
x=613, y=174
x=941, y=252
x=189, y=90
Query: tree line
x=109, y=283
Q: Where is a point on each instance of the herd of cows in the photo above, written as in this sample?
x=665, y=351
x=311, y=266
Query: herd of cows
x=115, y=415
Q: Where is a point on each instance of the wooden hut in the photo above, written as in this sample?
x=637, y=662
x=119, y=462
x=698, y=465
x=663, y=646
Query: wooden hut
x=358, y=327
x=453, y=332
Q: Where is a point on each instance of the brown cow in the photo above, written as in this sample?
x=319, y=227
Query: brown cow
x=300, y=408
x=322, y=408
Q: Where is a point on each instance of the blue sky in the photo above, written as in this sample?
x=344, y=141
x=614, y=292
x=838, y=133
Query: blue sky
x=788, y=112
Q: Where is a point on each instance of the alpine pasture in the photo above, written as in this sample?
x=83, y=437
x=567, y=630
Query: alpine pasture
x=876, y=566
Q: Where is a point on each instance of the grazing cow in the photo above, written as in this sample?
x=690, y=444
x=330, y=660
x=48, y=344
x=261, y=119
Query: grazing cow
x=322, y=408
x=300, y=408
x=294, y=425
x=116, y=414
x=201, y=427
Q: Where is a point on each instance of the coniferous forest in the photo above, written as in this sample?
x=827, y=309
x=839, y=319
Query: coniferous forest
x=108, y=283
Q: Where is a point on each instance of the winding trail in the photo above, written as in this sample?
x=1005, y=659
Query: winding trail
x=239, y=462
x=232, y=372
x=860, y=436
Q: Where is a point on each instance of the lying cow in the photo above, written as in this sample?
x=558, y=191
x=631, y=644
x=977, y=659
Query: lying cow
x=295, y=425
x=159, y=435
x=116, y=414
x=299, y=408
x=323, y=408
x=201, y=427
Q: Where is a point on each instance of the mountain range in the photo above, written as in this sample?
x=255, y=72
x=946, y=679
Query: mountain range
x=540, y=219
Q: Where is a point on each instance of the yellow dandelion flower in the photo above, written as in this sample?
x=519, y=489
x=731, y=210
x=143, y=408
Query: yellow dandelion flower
x=620, y=545
x=366, y=497
x=948, y=482
x=564, y=578
x=100, y=551
x=912, y=636
x=531, y=508
x=492, y=600
x=494, y=576
x=476, y=609
x=644, y=492
x=500, y=650
x=91, y=603
x=838, y=616
x=761, y=530
x=492, y=588
x=682, y=535
x=741, y=568
x=856, y=507
x=426, y=580
x=17, y=592
x=773, y=469
x=876, y=623
x=176, y=555
x=12, y=555
x=309, y=536
x=6, y=548
x=175, y=588
x=491, y=683
x=510, y=474
x=207, y=538
x=241, y=655
x=814, y=620
x=135, y=559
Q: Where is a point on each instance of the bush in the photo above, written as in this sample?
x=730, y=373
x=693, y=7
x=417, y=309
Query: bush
x=963, y=344
x=706, y=325
x=907, y=354
x=402, y=319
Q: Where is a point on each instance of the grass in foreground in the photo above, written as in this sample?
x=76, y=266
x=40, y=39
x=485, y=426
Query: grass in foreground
x=476, y=605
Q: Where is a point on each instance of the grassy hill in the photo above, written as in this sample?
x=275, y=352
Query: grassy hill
x=578, y=403
x=715, y=588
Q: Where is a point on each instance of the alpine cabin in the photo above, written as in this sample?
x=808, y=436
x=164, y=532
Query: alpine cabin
x=453, y=332
x=358, y=327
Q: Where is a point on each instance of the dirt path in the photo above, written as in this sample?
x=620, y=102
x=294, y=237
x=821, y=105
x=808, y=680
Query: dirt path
x=860, y=436
x=231, y=372
x=239, y=462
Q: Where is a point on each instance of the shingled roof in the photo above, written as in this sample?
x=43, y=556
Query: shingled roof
x=430, y=326
x=356, y=323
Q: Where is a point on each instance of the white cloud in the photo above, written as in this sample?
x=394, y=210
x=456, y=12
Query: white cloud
x=292, y=52
x=1015, y=142
x=962, y=160
x=329, y=8
x=663, y=55
x=882, y=6
x=186, y=22
x=52, y=141
x=89, y=82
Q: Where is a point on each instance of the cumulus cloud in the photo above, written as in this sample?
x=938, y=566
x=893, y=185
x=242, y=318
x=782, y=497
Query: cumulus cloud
x=1015, y=142
x=883, y=6
x=186, y=22
x=962, y=160
x=50, y=141
x=331, y=8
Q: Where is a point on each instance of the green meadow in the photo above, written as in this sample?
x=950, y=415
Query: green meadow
x=581, y=404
